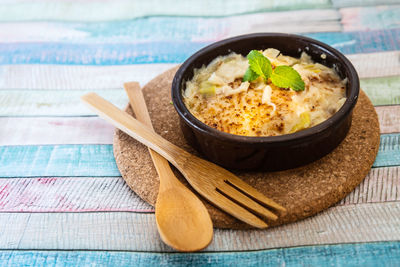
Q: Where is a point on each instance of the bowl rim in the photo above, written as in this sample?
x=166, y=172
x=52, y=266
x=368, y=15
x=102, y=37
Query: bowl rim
x=300, y=136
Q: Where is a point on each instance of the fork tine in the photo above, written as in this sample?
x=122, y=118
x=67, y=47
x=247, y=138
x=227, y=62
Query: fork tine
x=246, y=201
x=251, y=191
x=237, y=211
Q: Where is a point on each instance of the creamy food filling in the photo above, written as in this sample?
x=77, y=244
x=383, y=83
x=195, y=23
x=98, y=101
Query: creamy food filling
x=218, y=97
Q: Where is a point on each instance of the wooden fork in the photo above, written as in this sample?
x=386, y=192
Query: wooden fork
x=213, y=182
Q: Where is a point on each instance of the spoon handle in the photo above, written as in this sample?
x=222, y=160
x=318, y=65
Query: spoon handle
x=138, y=104
x=135, y=129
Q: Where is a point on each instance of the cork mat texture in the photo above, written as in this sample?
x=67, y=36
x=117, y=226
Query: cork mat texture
x=304, y=191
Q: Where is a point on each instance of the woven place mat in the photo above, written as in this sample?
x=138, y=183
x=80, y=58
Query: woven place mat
x=304, y=191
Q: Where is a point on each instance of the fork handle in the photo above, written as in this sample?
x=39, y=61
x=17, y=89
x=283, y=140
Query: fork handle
x=135, y=129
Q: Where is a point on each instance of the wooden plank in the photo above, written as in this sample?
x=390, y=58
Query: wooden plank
x=32, y=102
x=161, y=28
x=360, y=41
x=98, y=160
x=171, y=51
x=350, y=3
x=57, y=160
x=56, y=77
x=380, y=185
x=376, y=64
x=55, y=130
x=88, y=194
x=389, y=151
x=373, y=254
x=127, y=10
x=137, y=231
x=370, y=18
x=69, y=194
x=382, y=91
x=389, y=118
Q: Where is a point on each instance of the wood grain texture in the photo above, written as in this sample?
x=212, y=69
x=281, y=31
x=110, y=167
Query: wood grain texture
x=57, y=160
x=56, y=77
x=163, y=28
x=56, y=194
x=172, y=51
x=137, y=232
x=389, y=118
x=380, y=64
x=54, y=130
x=380, y=185
x=374, y=254
x=98, y=160
x=128, y=10
x=351, y=3
x=370, y=18
x=63, y=102
x=69, y=194
x=384, y=90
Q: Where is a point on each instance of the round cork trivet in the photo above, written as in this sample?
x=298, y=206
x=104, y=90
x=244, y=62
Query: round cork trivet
x=304, y=191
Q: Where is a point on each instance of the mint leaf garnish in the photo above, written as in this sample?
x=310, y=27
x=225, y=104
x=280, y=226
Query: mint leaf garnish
x=287, y=77
x=259, y=64
x=281, y=76
x=250, y=75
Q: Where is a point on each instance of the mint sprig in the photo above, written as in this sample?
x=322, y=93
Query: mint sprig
x=281, y=76
x=287, y=77
x=259, y=64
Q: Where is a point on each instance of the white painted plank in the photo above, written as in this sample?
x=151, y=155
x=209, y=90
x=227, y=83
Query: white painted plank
x=55, y=130
x=105, y=77
x=380, y=185
x=69, y=194
x=76, y=77
x=378, y=64
x=64, y=102
x=132, y=231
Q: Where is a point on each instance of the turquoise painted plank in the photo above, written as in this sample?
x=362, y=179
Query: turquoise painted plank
x=149, y=29
x=124, y=10
x=364, y=254
x=389, y=151
x=361, y=41
x=57, y=160
x=98, y=160
x=174, y=51
x=349, y=3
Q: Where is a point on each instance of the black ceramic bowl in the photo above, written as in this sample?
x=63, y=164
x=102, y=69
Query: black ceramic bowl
x=274, y=152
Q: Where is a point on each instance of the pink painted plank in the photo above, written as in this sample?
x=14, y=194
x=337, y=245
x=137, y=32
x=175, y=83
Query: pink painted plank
x=86, y=194
x=389, y=118
x=77, y=194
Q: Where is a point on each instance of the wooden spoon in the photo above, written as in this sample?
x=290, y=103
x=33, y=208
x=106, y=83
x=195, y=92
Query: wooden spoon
x=182, y=219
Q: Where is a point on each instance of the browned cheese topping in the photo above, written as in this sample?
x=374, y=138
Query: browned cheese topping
x=217, y=96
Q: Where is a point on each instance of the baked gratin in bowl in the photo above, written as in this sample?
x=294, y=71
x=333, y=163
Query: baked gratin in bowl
x=268, y=153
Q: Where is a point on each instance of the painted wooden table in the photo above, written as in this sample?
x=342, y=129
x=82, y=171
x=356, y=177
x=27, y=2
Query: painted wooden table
x=62, y=199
